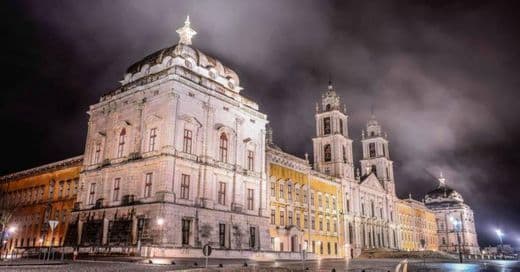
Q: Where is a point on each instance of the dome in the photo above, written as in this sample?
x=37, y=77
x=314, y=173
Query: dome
x=181, y=50
x=443, y=193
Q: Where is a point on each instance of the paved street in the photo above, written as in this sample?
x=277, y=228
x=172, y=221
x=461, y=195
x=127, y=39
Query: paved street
x=378, y=265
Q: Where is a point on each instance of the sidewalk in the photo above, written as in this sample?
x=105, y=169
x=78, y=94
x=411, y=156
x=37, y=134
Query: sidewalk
x=29, y=262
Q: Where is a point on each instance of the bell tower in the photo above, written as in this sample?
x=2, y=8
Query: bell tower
x=376, y=157
x=332, y=146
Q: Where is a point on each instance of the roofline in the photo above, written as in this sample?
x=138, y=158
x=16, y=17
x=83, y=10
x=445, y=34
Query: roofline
x=74, y=161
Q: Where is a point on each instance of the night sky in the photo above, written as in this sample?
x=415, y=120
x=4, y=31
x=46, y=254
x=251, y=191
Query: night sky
x=441, y=76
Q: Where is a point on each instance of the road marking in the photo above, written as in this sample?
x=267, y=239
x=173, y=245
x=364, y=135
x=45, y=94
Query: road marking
x=402, y=266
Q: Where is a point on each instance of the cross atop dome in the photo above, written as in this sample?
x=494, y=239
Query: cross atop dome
x=186, y=32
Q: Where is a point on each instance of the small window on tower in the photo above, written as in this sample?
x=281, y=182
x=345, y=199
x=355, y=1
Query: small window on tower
x=327, y=107
x=327, y=153
x=326, y=125
x=372, y=150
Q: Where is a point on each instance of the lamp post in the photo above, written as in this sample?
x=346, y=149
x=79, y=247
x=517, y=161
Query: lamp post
x=5, y=232
x=160, y=222
x=500, y=234
x=52, y=224
x=457, y=224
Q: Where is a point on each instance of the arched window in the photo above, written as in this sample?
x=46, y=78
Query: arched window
x=374, y=170
x=327, y=151
x=223, y=147
x=372, y=150
x=326, y=125
x=327, y=107
x=121, y=143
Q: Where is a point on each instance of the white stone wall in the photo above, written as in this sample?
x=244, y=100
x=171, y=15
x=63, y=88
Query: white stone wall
x=169, y=104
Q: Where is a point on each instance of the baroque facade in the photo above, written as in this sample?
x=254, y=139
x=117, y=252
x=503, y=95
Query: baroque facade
x=417, y=225
x=455, y=222
x=359, y=209
x=177, y=158
x=174, y=157
x=30, y=198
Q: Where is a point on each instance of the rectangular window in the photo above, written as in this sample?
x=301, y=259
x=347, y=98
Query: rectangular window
x=187, y=141
x=282, y=218
x=341, y=126
x=305, y=221
x=298, y=219
x=97, y=153
x=61, y=186
x=328, y=224
x=273, y=216
x=348, y=205
x=69, y=184
x=320, y=222
x=51, y=189
x=252, y=237
x=320, y=204
x=186, y=225
x=185, y=187
x=289, y=192
x=92, y=194
x=313, y=223
x=121, y=144
x=312, y=198
x=250, y=160
x=115, y=195
x=148, y=185
x=151, y=141
x=222, y=235
x=250, y=199
x=281, y=191
x=273, y=189
x=290, y=218
x=222, y=193
x=76, y=186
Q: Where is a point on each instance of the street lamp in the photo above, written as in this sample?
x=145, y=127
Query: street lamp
x=5, y=232
x=457, y=224
x=160, y=222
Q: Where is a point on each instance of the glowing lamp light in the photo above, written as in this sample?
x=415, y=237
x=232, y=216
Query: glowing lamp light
x=12, y=229
x=499, y=233
x=160, y=221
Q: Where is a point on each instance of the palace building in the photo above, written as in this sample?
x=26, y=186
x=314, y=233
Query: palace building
x=177, y=158
x=30, y=198
x=455, y=222
x=174, y=158
x=417, y=226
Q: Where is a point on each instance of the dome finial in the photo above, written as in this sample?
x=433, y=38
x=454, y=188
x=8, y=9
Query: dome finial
x=442, y=180
x=186, y=33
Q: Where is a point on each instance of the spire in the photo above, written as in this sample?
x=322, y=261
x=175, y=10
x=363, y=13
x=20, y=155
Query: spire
x=186, y=32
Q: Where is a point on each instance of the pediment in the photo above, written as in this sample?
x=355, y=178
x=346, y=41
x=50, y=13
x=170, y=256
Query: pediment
x=371, y=181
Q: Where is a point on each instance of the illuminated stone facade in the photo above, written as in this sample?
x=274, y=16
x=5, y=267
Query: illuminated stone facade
x=305, y=207
x=454, y=218
x=35, y=196
x=416, y=223
x=175, y=157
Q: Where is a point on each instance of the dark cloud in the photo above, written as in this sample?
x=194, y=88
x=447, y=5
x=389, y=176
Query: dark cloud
x=441, y=76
